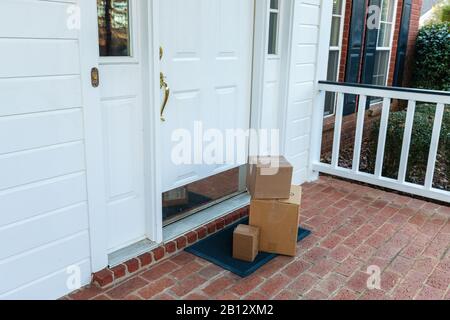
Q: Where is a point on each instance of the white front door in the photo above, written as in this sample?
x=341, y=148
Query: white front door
x=207, y=62
x=121, y=80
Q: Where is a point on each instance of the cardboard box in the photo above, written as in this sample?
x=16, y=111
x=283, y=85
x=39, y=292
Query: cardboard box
x=269, y=178
x=278, y=222
x=245, y=243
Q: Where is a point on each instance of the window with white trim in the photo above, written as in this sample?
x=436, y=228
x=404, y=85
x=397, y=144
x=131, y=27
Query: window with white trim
x=274, y=23
x=114, y=28
x=384, y=43
x=334, y=57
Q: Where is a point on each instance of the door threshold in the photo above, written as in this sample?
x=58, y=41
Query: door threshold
x=179, y=228
x=120, y=256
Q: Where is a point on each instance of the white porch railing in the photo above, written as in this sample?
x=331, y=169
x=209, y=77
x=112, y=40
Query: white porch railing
x=387, y=94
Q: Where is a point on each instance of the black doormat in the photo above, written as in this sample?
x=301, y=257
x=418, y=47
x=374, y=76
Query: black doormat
x=218, y=249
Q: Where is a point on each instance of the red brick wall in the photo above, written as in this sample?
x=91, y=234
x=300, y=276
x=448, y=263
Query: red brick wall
x=347, y=18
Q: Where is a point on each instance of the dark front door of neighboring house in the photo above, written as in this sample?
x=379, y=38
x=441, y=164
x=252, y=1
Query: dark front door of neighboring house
x=370, y=47
x=355, y=49
x=402, y=43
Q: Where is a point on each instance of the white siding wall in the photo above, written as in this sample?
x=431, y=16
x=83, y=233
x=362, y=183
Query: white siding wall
x=304, y=51
x=43, y=197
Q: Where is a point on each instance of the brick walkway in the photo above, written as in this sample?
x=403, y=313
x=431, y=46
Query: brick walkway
x=353, y=226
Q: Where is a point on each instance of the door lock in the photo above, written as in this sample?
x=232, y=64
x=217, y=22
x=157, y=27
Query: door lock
x=95, y=77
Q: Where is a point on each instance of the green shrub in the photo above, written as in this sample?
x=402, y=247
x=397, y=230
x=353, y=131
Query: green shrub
x=420, y=142
x=440, y=12
x=445, y=14
x=432, y=69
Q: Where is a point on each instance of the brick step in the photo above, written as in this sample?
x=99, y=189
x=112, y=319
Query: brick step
x=110, y=277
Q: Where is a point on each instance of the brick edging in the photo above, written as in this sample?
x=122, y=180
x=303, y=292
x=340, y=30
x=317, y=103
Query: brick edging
x=111, y=276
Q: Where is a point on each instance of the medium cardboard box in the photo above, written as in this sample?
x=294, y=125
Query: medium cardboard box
x=245, y=243
x=278, y=222
x=269, y=177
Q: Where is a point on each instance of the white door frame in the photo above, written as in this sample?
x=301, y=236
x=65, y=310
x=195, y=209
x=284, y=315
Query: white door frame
x=286, y=31
x=153, y=132
x=152, y=127
x=260, y=41
x=95, y=175
x=321, y=74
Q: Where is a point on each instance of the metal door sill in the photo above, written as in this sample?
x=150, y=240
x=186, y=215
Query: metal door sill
x=120, y=256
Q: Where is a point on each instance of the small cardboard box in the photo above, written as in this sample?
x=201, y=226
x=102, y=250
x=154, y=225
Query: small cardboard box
x=278, y=222
x=269, y=177
x=245, y=243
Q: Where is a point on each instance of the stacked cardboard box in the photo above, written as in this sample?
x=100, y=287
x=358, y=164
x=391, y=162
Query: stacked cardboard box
x=275, y=205
x=246, y=243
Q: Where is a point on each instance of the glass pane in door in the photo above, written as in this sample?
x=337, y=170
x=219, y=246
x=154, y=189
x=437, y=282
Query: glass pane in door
x=273, y=33
x=192, y=198
x=273, y=4
x=114, y=28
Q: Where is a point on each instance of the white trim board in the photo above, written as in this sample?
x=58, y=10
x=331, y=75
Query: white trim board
x=93, y=137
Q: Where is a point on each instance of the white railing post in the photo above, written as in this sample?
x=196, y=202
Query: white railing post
x=407, y=141
x=316, y=133
x=338, y=130
x=434, y=146
x=359, y=132
x=441, y=99
x=382, y=137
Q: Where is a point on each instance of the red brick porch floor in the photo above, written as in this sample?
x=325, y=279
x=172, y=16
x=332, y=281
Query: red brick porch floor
x=353, y=226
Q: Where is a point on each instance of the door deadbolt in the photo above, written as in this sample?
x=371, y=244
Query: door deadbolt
x=95, y=77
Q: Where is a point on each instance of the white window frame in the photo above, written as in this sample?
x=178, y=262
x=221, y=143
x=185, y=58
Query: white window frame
x=391, y=40
x=133, y=30
x=277, y=34
x=337, y=48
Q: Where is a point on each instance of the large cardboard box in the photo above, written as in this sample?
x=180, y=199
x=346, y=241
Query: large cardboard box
x=278, y=222
x=269, y=177
x=246, y=243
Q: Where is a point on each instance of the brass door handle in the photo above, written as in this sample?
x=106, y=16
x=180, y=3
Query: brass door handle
x=165, y=86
